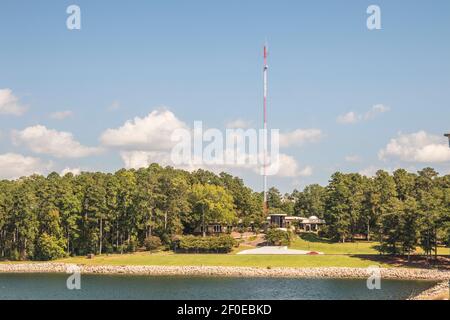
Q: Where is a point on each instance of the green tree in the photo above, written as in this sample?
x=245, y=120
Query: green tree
x=94, y=211
x=345, y=196
x=382, y=200
x=211, y=204
x=391, y=226
x=24, y=217
x=409, y=232
x=430, y=199
x=274, y=199
x=247, y=203
x=172, y=201
x=144, y=199
x=50, y=247
x=69, y=203
x=278, y=237
x=405, y=184
x=128, y=220
x=311, y=202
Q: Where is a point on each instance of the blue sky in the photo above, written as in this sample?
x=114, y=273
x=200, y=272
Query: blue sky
x=380, y=99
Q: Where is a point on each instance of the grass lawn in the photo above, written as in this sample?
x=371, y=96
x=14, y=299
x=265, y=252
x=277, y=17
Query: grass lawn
x=312, y=242
x=349, y=254
x=171, y=259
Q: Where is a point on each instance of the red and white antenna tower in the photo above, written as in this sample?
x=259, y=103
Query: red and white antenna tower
x=266, y=68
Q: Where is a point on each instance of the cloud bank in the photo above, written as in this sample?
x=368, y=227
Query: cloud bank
x=59, y=144
x=353, y=117
x=9, y=104
x=13, y=166
x=417, y=147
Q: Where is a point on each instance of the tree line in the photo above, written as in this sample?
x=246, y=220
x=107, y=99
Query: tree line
x=402, y=210
x=50, y=217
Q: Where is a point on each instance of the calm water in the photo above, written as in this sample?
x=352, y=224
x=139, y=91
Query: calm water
x=53, y=286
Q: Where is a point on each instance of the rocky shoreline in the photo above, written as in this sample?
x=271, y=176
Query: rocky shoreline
x=439, y=291
x=247, y=272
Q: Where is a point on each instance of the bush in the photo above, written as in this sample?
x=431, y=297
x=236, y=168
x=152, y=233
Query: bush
x=15, y=255
x=322, y=233
x=278, y=237
x=218, y=244
x=108, y=248
x=152, y=243
x=165, y=238
x=50, y=248
x=132, y=245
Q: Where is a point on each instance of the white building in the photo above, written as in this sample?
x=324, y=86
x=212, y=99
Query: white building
x=283, y=221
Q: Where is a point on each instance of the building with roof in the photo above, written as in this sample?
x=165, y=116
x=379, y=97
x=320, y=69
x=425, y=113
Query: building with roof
x=294, y=223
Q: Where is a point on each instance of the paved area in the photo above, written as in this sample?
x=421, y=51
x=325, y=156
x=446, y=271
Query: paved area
x=249, y=238
x=277, y=250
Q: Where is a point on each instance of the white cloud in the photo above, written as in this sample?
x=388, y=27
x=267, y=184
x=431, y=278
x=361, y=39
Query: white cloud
x=353, y=117
x=74, y=171
x=56, y=143
x=287, y=165
x=139, y=159
x=417, y=147
x=353, y=158
x=147, y=140
x=348, y=118
x=9, y=104
x=115, y=105
x=152, y=132
x=239, y=124
x=299, y=137
x=306, y=171
x=376, y=110
x=369, y=171
x=61, y=115
x=13, y=166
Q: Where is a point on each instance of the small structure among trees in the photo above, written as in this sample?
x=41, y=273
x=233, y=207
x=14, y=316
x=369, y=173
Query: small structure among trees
x=213, y=228
x=294, y=223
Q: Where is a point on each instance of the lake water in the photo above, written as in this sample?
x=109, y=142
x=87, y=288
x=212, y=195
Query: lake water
x=53, y=286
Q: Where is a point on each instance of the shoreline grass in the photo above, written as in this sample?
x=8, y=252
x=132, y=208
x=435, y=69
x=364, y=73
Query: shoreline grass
x=361, y=254
x=311, y=242
x=227, y=260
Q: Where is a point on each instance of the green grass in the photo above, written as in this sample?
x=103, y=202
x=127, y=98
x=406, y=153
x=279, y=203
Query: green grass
x=311, y=242
x=171, y=259
x=18, y=261
x=349, y=254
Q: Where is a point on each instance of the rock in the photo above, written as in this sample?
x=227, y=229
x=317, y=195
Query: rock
x=439, y=289
x=343, y=273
